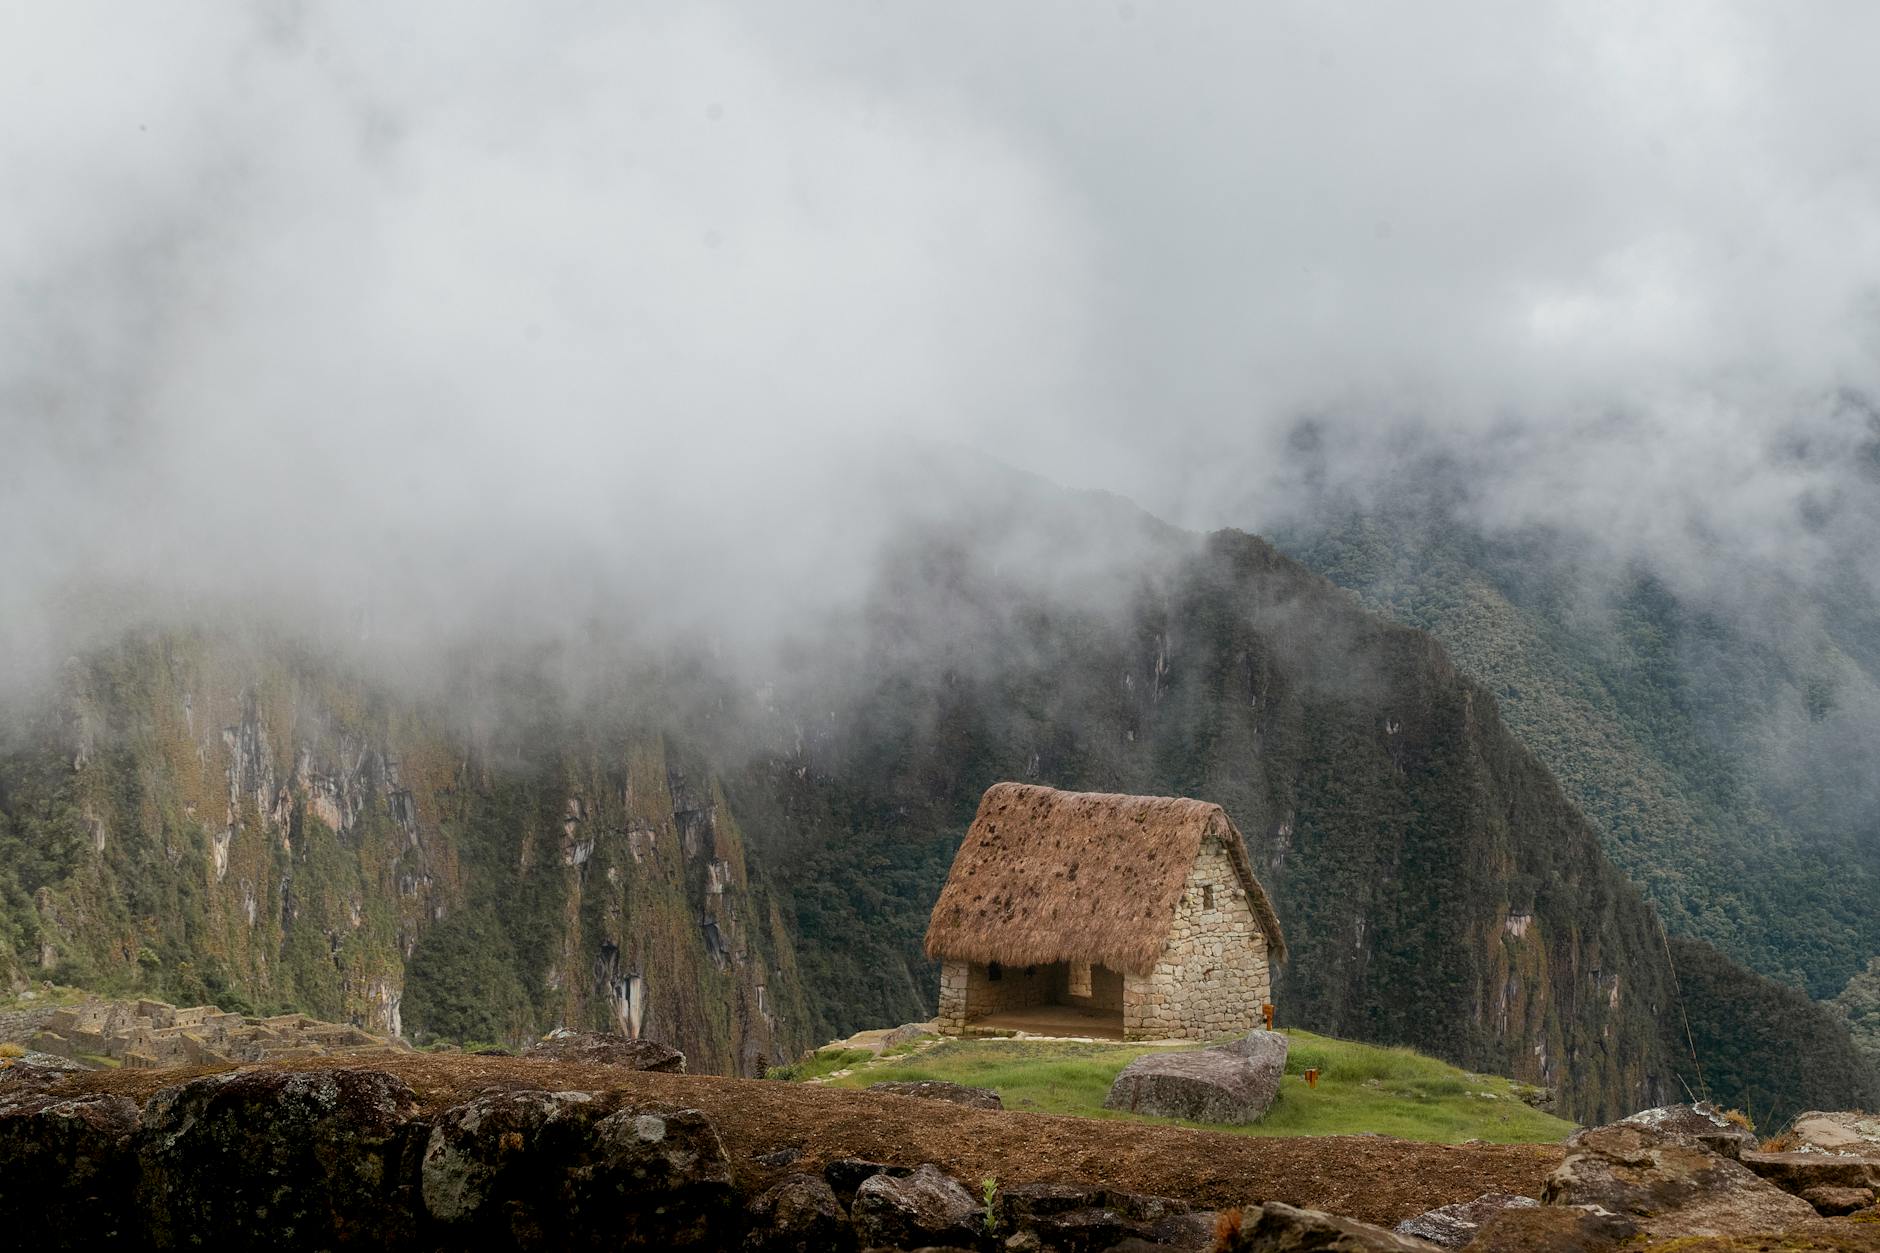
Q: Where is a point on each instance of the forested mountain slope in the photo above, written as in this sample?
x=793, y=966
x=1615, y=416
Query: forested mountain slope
x=207, y=819
x=1723, y=749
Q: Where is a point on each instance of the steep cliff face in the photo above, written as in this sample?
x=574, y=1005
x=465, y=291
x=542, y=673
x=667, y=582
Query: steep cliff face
x=248, y=826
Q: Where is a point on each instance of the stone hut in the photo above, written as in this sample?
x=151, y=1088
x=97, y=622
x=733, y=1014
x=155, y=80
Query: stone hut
x=1083, y=913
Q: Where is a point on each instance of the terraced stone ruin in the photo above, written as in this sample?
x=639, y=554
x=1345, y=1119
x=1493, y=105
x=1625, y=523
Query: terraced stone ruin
x=150, y=1035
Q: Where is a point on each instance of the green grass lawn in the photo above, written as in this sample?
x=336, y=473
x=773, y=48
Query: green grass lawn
x=1391, y=1091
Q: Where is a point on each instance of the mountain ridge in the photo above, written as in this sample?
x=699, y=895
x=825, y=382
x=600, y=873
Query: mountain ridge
x=776, y=844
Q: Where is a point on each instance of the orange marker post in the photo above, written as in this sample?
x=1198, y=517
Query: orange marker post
x=1312, y=1077
x=1266, y=1012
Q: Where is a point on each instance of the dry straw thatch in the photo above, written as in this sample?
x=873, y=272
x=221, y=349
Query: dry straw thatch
x=1048, y=876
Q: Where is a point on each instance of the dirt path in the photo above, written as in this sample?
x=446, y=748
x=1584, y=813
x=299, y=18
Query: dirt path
x=1374, y=1178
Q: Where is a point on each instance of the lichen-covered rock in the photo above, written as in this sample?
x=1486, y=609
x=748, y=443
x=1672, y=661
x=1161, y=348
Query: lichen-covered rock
x=1233, y=1083
x=923, y=1208
x=908, y=1032
x=800, y=1214
x=1671, y=1185
x=1702, y=1122
x=1555, y=1228
x=1452, y=1226
x=1837, y=1131
x=541, y=1170
x=938, y=1090
x=283, y=1159
x=599, y=1048
x=1798, y=1172
x=1832, y=1202
x=846, y=1174
x=35, y=1073
x=67, y=1168
x=1275, y=1226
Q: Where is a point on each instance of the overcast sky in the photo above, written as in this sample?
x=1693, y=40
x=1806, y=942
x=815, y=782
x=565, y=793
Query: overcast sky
x=454, y=302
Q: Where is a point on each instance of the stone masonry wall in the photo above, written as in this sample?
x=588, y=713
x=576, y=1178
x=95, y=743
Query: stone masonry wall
x=1212, y=977
x=1017, y=987
x=950, y=1019
x=1106, y=989
x=967, y=991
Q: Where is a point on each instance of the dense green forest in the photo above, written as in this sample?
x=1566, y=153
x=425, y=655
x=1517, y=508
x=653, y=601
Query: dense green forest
x=1719, y=744
x=1762, y=1047
x=1859, y=1004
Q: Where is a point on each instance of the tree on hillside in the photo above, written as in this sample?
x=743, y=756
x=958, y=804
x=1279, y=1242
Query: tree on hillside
x=1859, y=1002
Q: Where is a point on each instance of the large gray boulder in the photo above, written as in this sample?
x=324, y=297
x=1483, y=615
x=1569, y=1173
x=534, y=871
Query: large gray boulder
x=920, y=1209
x=1556, y=1228
x=1838, y=1131
x=1231, y=1083
x=600, y=1048
x=1452, y=1226
x=564, y=1170
x=1702, y=1122
x=36, y=1073
x=800, y=1214
x=1671, y=1185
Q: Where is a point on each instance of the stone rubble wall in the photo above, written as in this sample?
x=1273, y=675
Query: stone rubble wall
x=1213, y=976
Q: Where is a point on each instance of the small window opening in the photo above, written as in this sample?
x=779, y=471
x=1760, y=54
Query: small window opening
x=1080, y=979
x=1207, y=897
x=994, y=972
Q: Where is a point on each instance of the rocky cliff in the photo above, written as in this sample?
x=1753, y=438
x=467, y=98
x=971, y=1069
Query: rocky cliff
x=252, y=827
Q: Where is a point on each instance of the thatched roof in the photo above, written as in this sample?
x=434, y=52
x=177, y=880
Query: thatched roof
x=1048, y=876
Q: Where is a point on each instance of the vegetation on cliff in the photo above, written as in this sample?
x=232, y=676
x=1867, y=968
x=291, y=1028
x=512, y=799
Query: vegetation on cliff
x=1722, y=748
x=1859, y=1004
x=1762, y=1046
x=249, y=826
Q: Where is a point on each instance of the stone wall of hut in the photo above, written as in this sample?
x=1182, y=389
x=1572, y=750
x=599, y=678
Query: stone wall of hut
x=1210, y=981
x=968, y=990
x=1212, y=977
x=1106, y=989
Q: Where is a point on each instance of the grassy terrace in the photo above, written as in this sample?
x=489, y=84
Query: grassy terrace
x=1390, y=1091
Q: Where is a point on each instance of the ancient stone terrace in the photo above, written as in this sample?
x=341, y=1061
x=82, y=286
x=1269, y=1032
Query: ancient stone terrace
x=151, y=1035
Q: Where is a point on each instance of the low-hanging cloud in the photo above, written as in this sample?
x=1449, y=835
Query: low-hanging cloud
x=519, y=315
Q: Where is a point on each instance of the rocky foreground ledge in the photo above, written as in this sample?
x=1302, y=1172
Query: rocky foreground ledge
x=580, y=1152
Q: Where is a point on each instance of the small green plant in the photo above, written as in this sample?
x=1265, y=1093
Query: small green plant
x=10, y=1049
x=821, y=1063
x=989, y=1193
